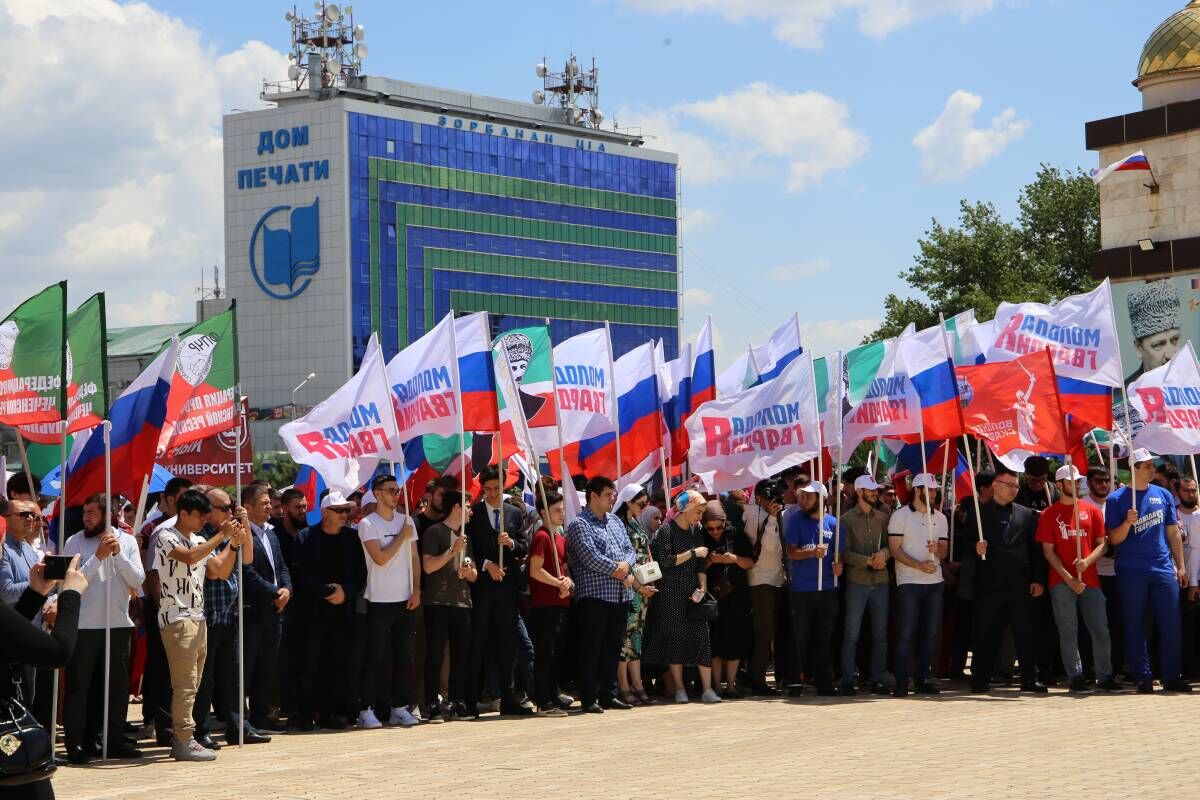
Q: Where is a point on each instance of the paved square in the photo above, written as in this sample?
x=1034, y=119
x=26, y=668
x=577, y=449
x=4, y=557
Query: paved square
x=946, y=748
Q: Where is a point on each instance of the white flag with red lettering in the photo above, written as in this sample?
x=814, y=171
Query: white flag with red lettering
x=1167, y=402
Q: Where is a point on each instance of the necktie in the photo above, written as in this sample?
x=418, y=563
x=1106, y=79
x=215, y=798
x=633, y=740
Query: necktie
x=496, y=518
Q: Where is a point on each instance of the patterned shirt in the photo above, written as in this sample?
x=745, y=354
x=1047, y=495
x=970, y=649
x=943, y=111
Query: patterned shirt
x=594, y=546
x=182, y=586
x=220, y=595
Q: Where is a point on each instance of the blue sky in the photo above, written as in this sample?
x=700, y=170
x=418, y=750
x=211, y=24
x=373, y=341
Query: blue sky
x=802, y=187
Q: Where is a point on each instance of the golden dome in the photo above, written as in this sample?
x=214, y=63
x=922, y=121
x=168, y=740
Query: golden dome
x=1174, y=46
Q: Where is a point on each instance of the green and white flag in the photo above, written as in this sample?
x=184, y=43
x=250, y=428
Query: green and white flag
x=529, y=357
x=87, y=374
x=882, y=401
x=827, y=371
x=33, y=359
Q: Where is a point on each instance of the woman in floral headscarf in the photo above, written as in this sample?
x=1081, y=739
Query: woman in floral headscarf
x=630, y=504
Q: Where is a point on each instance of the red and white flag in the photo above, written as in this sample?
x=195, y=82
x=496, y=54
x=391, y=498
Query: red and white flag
x=1013, y=405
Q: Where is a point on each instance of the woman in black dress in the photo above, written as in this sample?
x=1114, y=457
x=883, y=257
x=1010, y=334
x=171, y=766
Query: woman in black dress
x=672, y=638
x=730, y=554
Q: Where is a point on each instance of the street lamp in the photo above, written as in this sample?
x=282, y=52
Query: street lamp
x=307, y=378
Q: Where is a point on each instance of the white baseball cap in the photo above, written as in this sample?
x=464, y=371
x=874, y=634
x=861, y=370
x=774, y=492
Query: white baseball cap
x=815, y=487
x=865, y=482
x=1140, y=455
x=1067, y=473
x=335, y=499
x=924, y=479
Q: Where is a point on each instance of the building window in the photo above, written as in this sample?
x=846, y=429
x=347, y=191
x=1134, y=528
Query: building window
x=391, y=147
x=391, y=232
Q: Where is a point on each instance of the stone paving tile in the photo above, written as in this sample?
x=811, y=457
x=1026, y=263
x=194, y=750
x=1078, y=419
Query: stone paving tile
x=954, y=747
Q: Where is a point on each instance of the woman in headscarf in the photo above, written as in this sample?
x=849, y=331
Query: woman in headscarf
x=672, y=636
x=730, y=554
x=631, y=502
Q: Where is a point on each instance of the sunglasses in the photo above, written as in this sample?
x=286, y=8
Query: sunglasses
x=389, y=490
x=340, y=510
x=226, y=509
x=23, y=514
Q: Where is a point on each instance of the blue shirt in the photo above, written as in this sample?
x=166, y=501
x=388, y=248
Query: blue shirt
x=800, y=530
x=1146, y=547
x=594, y=546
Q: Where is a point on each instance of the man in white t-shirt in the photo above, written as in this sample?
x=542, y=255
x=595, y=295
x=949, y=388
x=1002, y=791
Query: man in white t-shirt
x=389, y=539
x=766, y=578
x=918, y=540
x=1188, y=512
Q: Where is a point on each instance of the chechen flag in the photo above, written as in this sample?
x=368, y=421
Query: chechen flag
x=1014, y=405
x=1167, y=402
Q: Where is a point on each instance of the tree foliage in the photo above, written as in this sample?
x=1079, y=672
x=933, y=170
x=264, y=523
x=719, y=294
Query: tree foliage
x=1043, y=256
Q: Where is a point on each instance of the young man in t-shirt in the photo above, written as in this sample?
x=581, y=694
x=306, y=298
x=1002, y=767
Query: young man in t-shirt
x=808, y=535
x=449, y=573
x=550, y=589
x=182, y=559
x=1150, y=570
x=393, y=595
x=1072, y=536
x=918, y=541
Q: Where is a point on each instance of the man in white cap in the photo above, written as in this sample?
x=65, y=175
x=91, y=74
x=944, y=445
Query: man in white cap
x=809, y=536
x=1150, y=571
x=1072, y=536
x=918, y=539
x=864, y=530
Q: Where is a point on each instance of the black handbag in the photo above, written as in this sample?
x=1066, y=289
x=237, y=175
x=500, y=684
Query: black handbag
x=26, y=755
x=705, y=610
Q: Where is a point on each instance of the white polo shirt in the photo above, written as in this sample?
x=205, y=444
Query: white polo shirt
x=913, y=526
x=392, y=582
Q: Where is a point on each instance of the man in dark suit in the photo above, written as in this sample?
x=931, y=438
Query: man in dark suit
x=495, y=526
x=268, y=590
x=1009, y=572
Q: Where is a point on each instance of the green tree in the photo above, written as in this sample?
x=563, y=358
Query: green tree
x=1043, y=256
x=278, y=468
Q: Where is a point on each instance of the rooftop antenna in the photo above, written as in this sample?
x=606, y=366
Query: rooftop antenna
x=575, y=90
x=327, y=49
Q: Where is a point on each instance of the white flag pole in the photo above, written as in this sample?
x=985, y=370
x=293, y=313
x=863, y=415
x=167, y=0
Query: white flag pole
x=241, y=598
x=108, y=575
x=616, y=410
x=567, y=481
x=462, y=436
x=62, y=538
x=812, y=377
x=967, y=446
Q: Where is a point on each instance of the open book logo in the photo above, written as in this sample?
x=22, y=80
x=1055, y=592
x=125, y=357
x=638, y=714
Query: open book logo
x=283, y=265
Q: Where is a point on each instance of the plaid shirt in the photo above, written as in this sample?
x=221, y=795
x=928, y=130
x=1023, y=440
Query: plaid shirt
x=220, y=596
x=594, y=546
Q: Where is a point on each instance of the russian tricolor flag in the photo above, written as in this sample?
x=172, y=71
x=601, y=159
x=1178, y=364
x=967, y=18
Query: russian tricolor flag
x=675, y=390
x=769, y=359
x=473, y=341
x=704, y=367
x=1130, y=163
x=936, y=454
x=138, y=417
x=925, y=358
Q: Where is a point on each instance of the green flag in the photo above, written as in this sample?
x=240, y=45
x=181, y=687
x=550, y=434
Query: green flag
x=529, y=356
x=203, y=398
x=87, y=374
x=33, y=359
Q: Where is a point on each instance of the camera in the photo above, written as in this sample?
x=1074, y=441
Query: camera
x=772, y=489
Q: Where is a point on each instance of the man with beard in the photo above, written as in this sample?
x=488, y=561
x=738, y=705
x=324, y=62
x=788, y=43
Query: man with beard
x=293, y=518
x=110, y=560
x=433, y=511
x=1189, y=528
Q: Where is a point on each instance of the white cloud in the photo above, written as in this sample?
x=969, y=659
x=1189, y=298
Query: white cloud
x=694, y=220
x=701, y=160
x=802, y=269
x=113, y=176
x=952, y=146
x=697, y=297
x=823, y=337
x=801, y=23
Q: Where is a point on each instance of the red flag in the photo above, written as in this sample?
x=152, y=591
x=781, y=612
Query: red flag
x=1014, y=405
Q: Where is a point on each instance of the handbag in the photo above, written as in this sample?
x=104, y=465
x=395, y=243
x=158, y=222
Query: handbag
x=25, y=749
x=705, y=610
x=648, y=572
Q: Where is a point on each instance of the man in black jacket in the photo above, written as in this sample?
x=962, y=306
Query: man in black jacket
x=329, y=571
x=495, y=526
x=1009, y=572
x=267, y=592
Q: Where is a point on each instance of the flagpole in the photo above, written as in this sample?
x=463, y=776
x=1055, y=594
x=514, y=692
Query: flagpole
x=107, y=583
x=616, y=401
x=566, y=480
x=33, y=494
x=62, y=520
x=1129, y=447
x=837, y=509
x=462, y=436
x=241, y=598
x=812, y=376
x=662, y=458
x=928, y=499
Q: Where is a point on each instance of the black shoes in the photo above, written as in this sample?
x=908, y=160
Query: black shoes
x=847, y=690
x=925, y=687
x=980, y=688
x=879, y=689
x=763, y=690
x=827, y=691
x=1079, y=686
x=209, y=743
x=515, y=710
x=1177, y=685
x=78, y=755
x=615, y=704
x=1036, y=687
x=594, y=708
x=1110, y=685
x=252, y=736
x=1145, y=687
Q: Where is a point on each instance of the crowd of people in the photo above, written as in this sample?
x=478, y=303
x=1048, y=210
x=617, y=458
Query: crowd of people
x=372, y=617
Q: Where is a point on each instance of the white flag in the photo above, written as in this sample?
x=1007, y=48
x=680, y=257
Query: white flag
x=583, y=386
x=738, y=440
x=1167, y=402
x=346, y=436
x=421, y=377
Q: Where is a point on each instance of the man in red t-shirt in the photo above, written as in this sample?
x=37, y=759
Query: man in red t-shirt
x=1071, y=532
x=550, y=589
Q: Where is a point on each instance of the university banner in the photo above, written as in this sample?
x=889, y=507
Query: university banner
x=1167, y=401
x=736, y=441
x=1080, y=332
x=346, y=436
x=213, y=461
x=1013, y=405
x=33, y=359
x=87, y=374
x=203, y=400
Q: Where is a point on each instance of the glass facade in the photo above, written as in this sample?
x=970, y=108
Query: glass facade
x=445, y=218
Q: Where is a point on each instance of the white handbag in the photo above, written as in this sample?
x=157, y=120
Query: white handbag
x=647, y=573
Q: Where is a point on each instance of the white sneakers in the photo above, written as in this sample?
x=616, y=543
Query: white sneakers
x=367, y=720
x=710, y=696
x=681, y=696
x=191, y=750
x=402, y=716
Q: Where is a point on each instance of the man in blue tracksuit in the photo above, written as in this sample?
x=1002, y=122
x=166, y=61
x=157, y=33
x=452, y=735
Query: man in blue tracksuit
x=1150, y=570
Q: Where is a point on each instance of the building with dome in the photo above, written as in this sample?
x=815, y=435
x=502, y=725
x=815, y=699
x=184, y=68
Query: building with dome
x=1150, y=221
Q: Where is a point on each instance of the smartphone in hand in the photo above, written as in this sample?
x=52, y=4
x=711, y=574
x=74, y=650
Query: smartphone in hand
x=56, y=567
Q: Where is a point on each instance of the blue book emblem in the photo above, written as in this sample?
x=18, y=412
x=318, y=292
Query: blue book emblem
x=291, y=255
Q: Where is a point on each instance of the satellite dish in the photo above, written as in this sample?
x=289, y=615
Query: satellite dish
x=539, y=97
x=360, y=50
x=540, y=69
x=333, y=66
x=332, y=13
x=289, y=16
x=291, y=56
x=360, y=33
x=597, y=116
x=293, y=72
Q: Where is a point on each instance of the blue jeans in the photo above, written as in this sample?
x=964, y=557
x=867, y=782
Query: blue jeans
x=858, y=597
x=1095, y=615
x=919, y=617
x=1139, y=588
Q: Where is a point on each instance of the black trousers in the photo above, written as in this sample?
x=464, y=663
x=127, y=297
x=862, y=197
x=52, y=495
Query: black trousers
x=262, y=656
x=83, y=707
x=601, y=636
x=447, y=624
x=548, y=629
x=324, y=672
x=389, y=649
x=813, y=616
x=292, y=649
x=494, y=638
x=219, y=683
x=156, y=677
x=1116, y=624
x=995, y=608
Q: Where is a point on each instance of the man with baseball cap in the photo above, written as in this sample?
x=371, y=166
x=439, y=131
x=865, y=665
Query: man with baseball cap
x=1071, y=533
x=918, y=539
x=808, y=536
x=1150, y=571
x=864, y=530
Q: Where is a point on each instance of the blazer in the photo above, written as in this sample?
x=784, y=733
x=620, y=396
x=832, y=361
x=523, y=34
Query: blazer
x=484, y=547
x=311, y=589
x=263, y=581
x=1008, y=565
